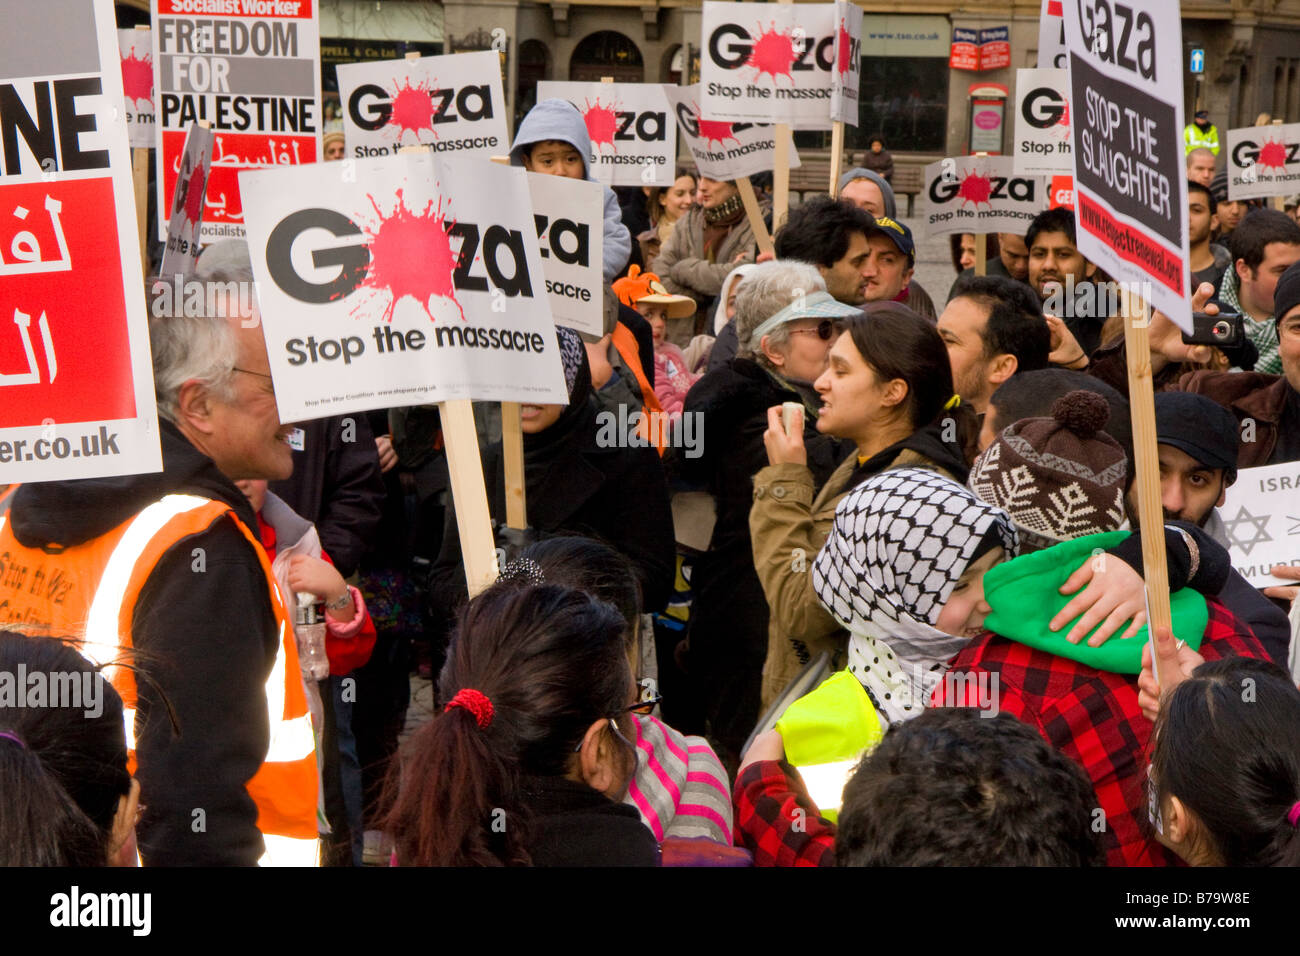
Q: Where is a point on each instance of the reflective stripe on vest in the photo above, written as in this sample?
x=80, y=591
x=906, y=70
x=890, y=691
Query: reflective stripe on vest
x=825, y=733
x=116, y=566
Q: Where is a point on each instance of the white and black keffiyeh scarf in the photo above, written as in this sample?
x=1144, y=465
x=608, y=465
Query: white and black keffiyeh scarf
x=900, y=542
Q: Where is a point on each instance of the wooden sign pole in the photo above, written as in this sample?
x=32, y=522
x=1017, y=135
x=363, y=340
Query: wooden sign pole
x=781, y=171
x=140, y=181
x=837, y=156
x=981, y=254
x=754, y=213
x=473, y=521
x=1151, y=517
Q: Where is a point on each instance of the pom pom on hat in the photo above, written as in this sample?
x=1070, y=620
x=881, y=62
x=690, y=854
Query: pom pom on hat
x=1084, y=413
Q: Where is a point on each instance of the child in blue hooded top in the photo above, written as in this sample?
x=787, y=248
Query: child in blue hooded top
x=553, y=139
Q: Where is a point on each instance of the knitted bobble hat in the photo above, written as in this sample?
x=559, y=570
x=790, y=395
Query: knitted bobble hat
x=1059, y=478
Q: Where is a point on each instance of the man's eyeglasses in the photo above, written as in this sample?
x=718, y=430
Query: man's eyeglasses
x=825, y=329
x=249, y=372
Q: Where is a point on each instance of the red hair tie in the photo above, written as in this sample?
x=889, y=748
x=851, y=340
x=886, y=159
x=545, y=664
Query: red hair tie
x=476, y=703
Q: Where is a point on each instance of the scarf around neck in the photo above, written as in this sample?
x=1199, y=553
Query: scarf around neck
x=899, y=544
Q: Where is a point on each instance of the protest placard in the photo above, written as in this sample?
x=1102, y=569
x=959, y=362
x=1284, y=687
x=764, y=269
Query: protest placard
x=847, y=57
x=980, y=194
x=721, y=149
x=452, y=104
x=402, y=280
x=186, y=216
x=1127, y=115
x=251, y=69
x=75, y=369
x=1051, y=37
x=1263, y=161
x=136, y=49
x=1261, y=517
x=633, y=135
x=769, y=64
x=570, y=219
x=1043, y=123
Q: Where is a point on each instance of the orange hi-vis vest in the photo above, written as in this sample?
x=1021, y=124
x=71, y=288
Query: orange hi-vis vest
x=90, y=591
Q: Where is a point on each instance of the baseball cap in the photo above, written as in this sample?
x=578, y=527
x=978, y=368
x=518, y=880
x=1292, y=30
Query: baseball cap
x=1199, y=426
x=814, y=305
x=897, y=233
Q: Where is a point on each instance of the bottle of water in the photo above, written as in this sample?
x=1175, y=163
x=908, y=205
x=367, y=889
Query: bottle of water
x=309, y=630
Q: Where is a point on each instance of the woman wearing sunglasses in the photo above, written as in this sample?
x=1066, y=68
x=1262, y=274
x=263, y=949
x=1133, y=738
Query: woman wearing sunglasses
x=888, y=391
x=533, y=752
x=784, y=323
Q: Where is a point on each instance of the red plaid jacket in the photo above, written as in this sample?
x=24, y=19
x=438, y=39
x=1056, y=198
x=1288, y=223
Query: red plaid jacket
x=1092, y=717
x=777, y=821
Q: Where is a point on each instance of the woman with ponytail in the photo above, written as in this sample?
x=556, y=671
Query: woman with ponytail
x=533, y=752
x=66, y=797
x=1225, y=766
x=889, y=391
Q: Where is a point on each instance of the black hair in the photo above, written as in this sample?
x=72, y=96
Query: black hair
x=1059, y=219
x=551, y=660
x=1227, y=744
x=818, y=231
x=1015, y=324
x=61, y=785
x=1209, y=196
x=897, y=343
x=1257, y=230
x=955, y=787
x=1032, y=394
x=592, y=566
x=991, y=250
x=880, y=138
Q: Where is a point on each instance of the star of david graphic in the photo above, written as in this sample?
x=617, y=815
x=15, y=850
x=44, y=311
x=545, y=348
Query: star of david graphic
x=1295, y=527
x=1247, y=539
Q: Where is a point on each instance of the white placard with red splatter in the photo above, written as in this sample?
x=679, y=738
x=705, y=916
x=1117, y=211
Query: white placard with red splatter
x=1051, y=37
x=768, y=63
x=182, y=248
x=1043, y=123
x=847, y=79
x=76, y=380
x=721, y=149
x=452, y=104
x=570, y=219
x=980, y=194
x=251, y=68
x=633, y=136
x=416, y=279
x=136, y=47
x=1263, y=161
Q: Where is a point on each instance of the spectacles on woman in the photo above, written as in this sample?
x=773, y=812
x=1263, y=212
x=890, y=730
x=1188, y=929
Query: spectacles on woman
x=825, y=329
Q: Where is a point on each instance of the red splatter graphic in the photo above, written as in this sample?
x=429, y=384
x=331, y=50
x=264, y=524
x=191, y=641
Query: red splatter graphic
x=410, y=255
x=846, y=48
x=713, y=131
x=773, y=53
x=412, y=109
x=602, y=123
x=194, y=193
x=1273, y=154
x=137, y=77
x=975, y=189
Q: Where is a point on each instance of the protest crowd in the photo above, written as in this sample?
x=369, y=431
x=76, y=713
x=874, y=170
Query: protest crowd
x=864, y=587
